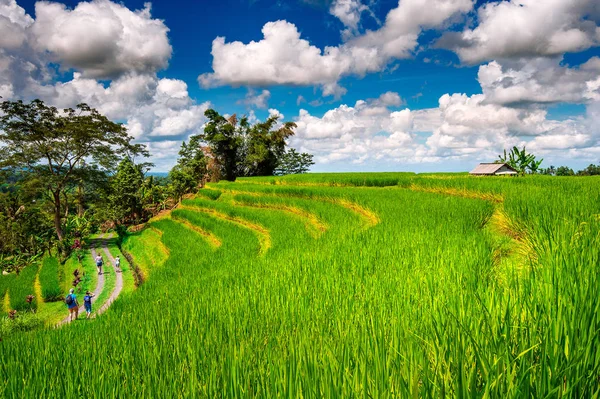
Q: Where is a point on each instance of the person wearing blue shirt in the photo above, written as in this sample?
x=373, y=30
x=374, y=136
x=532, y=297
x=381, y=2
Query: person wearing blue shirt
x=72, y=304
x=87, y=303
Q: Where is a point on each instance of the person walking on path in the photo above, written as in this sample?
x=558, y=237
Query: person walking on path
x=87, y=303
x=99, y=263
x=72, y=304
x=118, y=263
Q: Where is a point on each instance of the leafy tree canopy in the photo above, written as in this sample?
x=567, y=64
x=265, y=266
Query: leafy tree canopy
x=243, y=149
x=191, y=168
x=291, y=162
x=58, y=147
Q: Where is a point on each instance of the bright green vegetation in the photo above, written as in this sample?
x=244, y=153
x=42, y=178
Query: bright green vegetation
x=22, y=286
x=126, y=271
x=87, y=272
x=307, y=286
x=55, y=280
x=49, y=279
x=5, y=282
x=147, y=250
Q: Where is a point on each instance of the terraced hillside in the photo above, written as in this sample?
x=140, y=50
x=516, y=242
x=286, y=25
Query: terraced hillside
x=379, y=285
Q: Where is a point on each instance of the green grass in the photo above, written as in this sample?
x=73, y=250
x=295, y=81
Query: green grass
x=49, y=280
x=146, y=249
x=126, y=271
x=21, y=287
x=5, y=282
x=436, y=296
x=88, y=273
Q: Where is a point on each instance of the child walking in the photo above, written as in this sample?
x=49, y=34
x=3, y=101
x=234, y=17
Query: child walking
x=87, y=303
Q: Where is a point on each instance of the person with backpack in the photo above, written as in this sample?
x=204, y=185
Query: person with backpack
x=118, y=263
x=72, y=304
x=99, y=263
x=87, y=303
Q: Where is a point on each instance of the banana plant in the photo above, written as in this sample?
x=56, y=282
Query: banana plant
x=534, y=166
x=520, y=160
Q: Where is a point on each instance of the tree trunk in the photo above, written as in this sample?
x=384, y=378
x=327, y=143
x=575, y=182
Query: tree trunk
x=57, y=215
x=66, y=205
x=230, y=164
x=80, y=201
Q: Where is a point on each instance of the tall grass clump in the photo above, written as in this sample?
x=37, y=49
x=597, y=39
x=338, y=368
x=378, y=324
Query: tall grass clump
x=19, y=323
x=49, y=279
x=5, y=282
x=23, y=286
x=210, y=193
x=145, y=249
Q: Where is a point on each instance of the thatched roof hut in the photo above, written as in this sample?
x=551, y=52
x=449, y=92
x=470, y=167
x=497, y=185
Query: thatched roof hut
x=494, y=169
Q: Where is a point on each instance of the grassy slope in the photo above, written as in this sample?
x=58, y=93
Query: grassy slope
x=147, y=250
x=411, y=306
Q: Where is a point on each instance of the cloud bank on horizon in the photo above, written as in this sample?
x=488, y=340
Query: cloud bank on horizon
x=532, y=60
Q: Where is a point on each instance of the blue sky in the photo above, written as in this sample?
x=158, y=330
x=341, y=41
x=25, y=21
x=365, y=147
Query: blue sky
x=419, y=85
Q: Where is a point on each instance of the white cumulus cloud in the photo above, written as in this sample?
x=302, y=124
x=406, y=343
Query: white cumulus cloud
x=101, y=38
x=540, y=80
x=527, y=28
x=257, y=100
x=367, y=131
x=282, y=57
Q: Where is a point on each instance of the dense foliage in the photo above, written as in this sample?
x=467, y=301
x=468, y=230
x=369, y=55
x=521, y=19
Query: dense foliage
x=60, y=150
x=242, y=149
x=591, y=170
x=189, y=174
x=521, y=160
x=291, y=163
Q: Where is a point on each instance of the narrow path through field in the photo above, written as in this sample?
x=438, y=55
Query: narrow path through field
x=97, y=291
x=118, y=285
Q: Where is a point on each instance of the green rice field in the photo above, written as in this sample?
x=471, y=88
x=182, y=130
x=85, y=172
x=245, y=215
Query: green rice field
x=370, y=285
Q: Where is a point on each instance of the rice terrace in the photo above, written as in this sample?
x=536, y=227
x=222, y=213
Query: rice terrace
x=345, y=285
x=300, y=199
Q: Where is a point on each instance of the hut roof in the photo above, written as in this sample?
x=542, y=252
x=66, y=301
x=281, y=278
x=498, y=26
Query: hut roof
x=492, y=168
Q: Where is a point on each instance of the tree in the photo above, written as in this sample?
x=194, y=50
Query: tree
x=193, y=161
x=191, y=168
x=564, y=171
x=44, y=143
x=126, y=196
x=24, y=227
x=224, y=138
x=521, y=161
x=591, y=170
x=534, y=166
x=238, y=148
x=265, y=146
x=549, y=171
x=291, y=162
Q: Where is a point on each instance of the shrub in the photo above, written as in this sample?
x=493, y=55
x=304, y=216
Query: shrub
x=20, y=323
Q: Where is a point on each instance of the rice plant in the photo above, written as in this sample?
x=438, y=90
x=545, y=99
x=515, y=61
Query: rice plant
x=414, y=286
x=49, y=279
x=22, y=290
